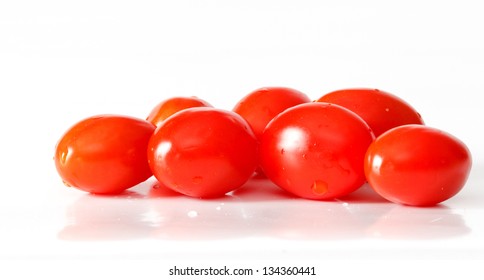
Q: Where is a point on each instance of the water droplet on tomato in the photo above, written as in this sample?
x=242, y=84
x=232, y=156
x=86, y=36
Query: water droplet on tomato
x=197, y=179
x=387, y=109
x=192, y=214
x=64, y=157
x=282, y=151
x=319, y=187
x=305, y=156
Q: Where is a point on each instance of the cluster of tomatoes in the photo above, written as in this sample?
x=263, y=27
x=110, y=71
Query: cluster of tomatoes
x=320, y=150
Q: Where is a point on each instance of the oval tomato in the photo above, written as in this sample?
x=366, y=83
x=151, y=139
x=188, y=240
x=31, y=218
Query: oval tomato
x=104, y=154
x=259, y=107
x=203, y=152
x=381, y=110
x=316, y=150
x=170, y=106
x=417, y=165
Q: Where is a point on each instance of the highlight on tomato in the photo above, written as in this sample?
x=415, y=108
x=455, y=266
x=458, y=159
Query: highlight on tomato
x=316, y=150
x=104, y=154
x=381, y=110
x=203, y=152
x=417, y=165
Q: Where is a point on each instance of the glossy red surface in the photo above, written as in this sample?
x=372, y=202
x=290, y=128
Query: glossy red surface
x=316, y=150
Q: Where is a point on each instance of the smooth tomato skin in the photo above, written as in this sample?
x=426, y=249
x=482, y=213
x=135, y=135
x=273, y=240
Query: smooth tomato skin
x=172, y=105
x=262, y=105
x=316, y=150
x=381, y=110
x=104, y=154
x=417, y=165
x=203, y=152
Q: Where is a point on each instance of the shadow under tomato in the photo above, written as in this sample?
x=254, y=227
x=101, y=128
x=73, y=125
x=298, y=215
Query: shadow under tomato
x=261, y=189
x=159, y=190
x=365, y=194
x=258, y=209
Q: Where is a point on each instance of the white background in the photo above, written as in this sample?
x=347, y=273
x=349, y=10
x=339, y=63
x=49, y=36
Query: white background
x=62, y=61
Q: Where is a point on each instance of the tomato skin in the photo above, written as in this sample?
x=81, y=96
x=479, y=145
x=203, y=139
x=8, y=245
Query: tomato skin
x=259, y=107
x=170, y=106
x=381, y=110
x=417, y=165
x=203, y=152
x=104, y=154
x=316, y=150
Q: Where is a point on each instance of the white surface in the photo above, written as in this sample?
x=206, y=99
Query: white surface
x=61, y=62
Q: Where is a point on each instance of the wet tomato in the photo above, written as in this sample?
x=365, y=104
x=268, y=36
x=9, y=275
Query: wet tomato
x=417, y=165
x=104, y=154
x=172, y=105
x=262, y=105
x=316, y=150
x=203, y=152
x=381, y=110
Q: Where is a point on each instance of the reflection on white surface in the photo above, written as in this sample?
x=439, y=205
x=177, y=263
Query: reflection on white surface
x=259, y=209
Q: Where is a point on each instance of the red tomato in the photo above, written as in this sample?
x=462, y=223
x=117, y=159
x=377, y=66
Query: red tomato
x=203, y=152
x=417, y=165
x=261, y=106
x=381, y=110
x=104, y=154
x=316, y=150
x=170, y=106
